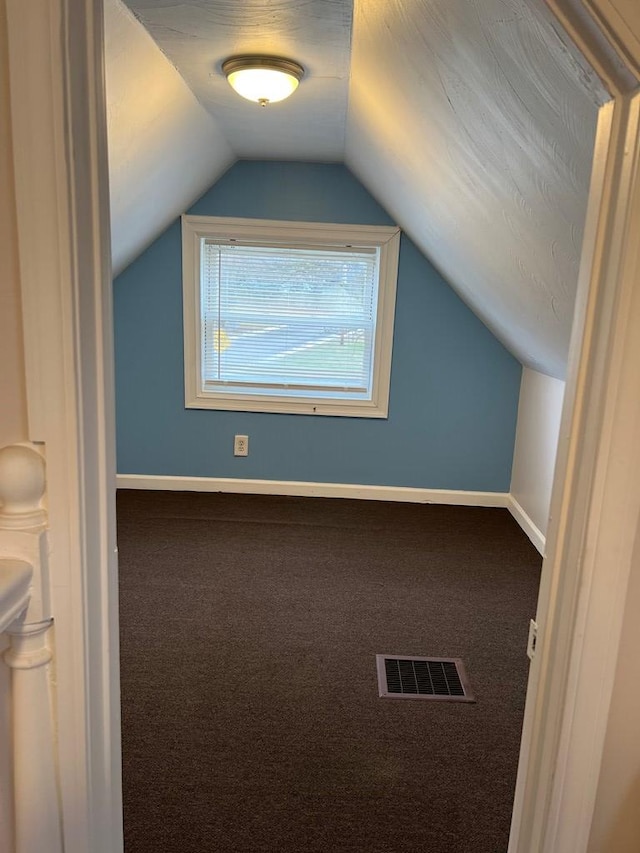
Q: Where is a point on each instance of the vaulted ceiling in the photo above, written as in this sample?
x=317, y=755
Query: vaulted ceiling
x=471, y=121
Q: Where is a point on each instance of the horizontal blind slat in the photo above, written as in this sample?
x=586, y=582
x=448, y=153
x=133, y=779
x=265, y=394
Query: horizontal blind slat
x=296, y=318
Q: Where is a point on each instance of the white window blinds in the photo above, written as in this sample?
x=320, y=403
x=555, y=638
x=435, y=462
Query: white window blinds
x=288, y=320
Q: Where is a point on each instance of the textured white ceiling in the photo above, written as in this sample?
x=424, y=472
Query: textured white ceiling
x=198, y=35
x=164, y=148
x=479, y=143
x=471, y=121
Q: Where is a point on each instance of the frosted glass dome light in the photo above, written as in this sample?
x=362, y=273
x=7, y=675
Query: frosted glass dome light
x=263, y=79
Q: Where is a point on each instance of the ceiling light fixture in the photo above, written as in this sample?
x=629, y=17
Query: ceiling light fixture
x=264, y=79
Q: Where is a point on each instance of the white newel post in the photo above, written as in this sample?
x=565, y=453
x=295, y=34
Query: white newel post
x=23, y=538
x=37, y=813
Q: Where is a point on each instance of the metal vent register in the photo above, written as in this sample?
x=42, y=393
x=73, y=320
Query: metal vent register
x=407, y=677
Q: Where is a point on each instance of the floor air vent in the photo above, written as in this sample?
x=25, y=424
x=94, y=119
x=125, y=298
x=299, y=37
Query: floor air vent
x=406, y=677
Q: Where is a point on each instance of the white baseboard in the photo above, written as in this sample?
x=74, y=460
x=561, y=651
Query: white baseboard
x=533, y=532
x=316, y=490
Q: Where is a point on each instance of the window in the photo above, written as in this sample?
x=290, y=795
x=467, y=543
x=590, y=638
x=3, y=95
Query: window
x=288, y=316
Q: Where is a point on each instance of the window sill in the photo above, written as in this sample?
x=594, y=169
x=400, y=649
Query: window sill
x=287, y=406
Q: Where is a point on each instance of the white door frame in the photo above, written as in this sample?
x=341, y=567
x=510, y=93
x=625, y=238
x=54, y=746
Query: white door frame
x=596, y=495
x=60, y=167
x=59, y=131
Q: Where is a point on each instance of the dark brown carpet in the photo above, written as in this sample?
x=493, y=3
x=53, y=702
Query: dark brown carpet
x=251, y=721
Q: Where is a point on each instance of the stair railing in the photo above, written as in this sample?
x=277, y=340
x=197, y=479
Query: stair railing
x=26, y=617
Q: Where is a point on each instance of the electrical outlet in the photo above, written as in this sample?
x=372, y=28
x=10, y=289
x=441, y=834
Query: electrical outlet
x=533, y=639
x=241, y=445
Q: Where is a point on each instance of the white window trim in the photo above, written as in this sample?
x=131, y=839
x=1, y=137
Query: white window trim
x=384, y=237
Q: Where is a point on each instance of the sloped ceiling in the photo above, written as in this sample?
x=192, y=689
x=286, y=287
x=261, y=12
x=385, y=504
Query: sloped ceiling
x=475, y=125
x=165, y=149
x=471, y=121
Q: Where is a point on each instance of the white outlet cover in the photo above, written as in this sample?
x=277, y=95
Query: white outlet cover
x=533, y=639
x=241, y=445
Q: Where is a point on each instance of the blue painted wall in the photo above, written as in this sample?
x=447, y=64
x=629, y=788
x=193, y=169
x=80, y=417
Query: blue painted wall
x=454, y=387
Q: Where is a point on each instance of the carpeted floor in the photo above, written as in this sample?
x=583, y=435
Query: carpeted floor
x=251, y=719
